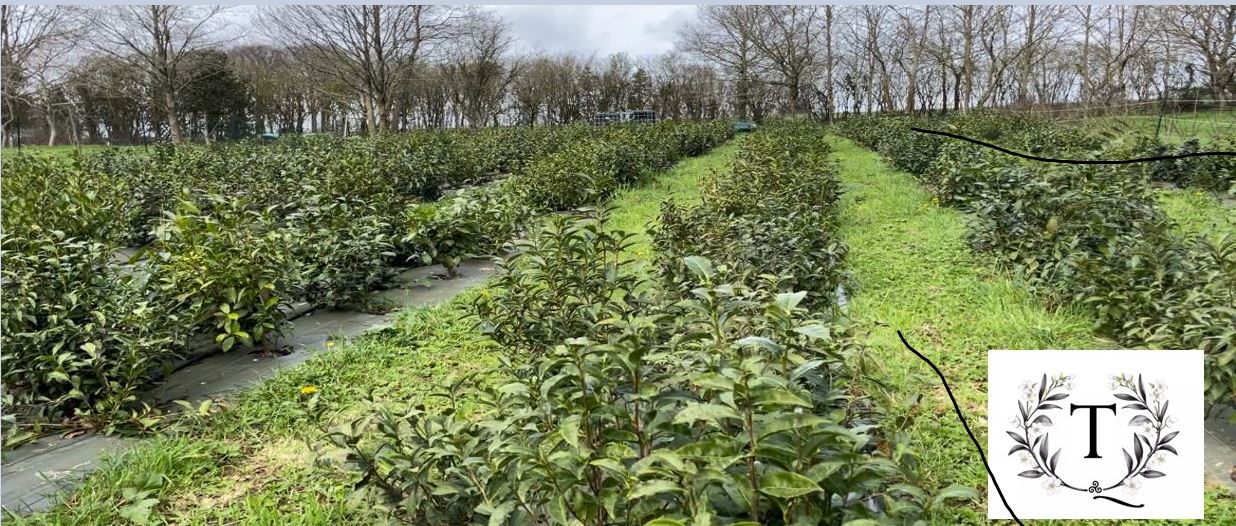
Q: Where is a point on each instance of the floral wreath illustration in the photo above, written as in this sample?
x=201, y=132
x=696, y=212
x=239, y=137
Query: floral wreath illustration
x=1152, y=417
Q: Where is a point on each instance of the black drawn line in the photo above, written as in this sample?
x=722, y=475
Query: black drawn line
x=961, y=417
x=1118, y=501
x=1075, y=161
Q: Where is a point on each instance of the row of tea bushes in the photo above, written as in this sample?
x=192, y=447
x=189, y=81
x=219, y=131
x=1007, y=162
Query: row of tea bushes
x=1214, y=173
x=706, y=397
x=1089, y=235
x=591, y=169
x=129, y=189
x=82, y=333
x=580, y=174
x=773, y=212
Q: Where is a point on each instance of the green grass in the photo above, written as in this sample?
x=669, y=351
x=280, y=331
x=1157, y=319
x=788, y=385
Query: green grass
x=1198, y=211
x=60, y=150
x=636, y=208
x=1174, y=128
x=916, y=274
x=255, y=462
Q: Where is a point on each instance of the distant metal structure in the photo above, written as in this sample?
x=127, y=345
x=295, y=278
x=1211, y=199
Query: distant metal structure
x=616, y=117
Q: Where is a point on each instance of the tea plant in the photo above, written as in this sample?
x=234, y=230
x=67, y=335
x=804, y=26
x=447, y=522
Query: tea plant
x=228, y=268
x=45, y=194
x=1213, y=173
x=313, y=218
x=80, y=334
x=588, y=170
x=473, y=223
x=559, y=283
x=727, y=406
x=340, y=249
x=579, y=174
x=773, y=213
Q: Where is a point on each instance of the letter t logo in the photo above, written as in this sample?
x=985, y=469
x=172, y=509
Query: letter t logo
x=1094, y=425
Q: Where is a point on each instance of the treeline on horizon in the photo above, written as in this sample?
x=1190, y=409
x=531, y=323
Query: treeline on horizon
x=132, y=74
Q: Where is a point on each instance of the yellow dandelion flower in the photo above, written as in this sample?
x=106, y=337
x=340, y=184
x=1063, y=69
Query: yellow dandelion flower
x=308, y=390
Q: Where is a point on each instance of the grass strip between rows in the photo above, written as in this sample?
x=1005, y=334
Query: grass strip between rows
x=915, y=273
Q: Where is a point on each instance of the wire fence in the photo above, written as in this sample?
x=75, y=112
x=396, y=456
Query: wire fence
x=1168, y=120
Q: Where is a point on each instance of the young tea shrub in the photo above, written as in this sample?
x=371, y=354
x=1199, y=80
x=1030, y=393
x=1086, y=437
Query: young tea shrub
x=580, y=174
x=772, y=213
x=725, y=407
x=45, y=194
x=81, y=334
x=1212, y=173
x=227, y=267
x=558, y=284
x=340, y=247
x=473, y=223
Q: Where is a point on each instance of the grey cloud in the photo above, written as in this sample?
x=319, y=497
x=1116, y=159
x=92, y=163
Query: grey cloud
x=602, y=29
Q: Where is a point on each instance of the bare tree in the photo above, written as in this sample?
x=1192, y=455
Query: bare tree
x=725, y=36
x=157, y=39
x=869, y=37
x=1121, y=34
x=1209, y=35
x=530, y=90
x=372, y=48
x=616, y=83
x=33, y=42
x=377, y=68
x=830, y=65
x=477, y=69
x=913, y=27
x=790, y=43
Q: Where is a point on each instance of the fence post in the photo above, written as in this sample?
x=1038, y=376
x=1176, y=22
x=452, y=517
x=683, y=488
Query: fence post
x=1162, y=109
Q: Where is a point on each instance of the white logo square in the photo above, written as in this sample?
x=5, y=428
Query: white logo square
x=1083, y=434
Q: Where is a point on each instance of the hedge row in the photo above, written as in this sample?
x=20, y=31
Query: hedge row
x=624, y=401
x=1086, y=235
x=774, y=212
x=82, y=333
x=480, y=221
x=1213, y=173
x=133, y=187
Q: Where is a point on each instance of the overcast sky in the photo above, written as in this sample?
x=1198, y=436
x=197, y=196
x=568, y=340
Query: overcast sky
x=635, y=29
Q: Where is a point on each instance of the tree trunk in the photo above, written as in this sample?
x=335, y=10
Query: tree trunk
x=173, y=120
x=829, y=61
x=1083, y=68
x=371, y=122
x=51, y=127
x=1027, y=65
x=957, y=76
x=967, y=50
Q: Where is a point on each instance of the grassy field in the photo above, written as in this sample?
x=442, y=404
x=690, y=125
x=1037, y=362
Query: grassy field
x=915, y=273
x=256, y=462
x=1174, y=127
x=58, y=150
x=1198, y=211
